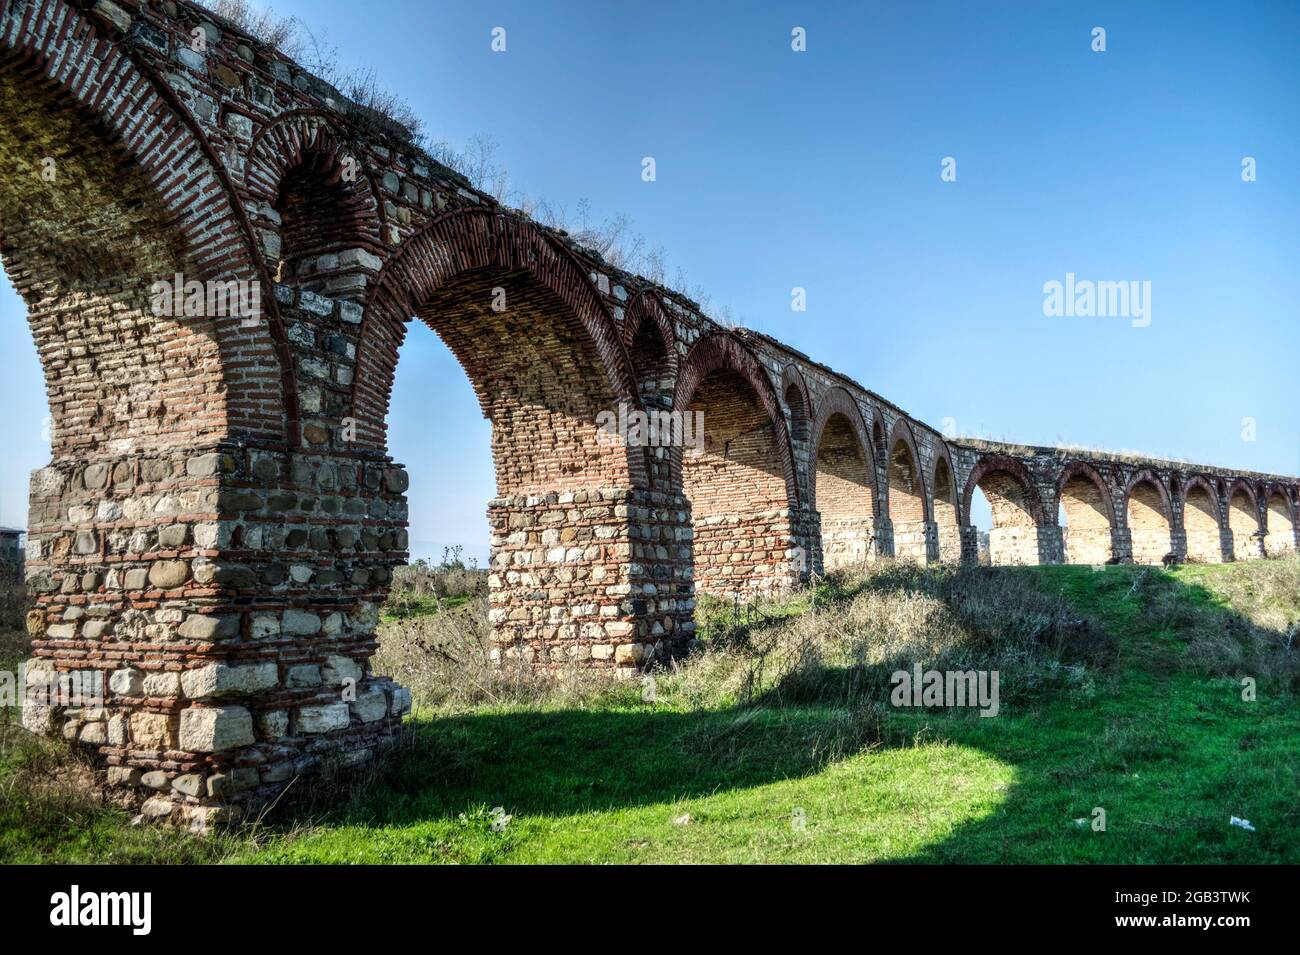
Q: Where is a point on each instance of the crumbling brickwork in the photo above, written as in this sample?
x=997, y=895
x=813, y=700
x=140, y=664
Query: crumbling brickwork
x=215, y=532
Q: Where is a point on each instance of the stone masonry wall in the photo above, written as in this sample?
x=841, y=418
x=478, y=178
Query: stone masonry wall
x=226, y=603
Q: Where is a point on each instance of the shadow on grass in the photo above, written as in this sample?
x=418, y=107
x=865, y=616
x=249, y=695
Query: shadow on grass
x=562, y=762
x=1165, y=744
x=1169, y=751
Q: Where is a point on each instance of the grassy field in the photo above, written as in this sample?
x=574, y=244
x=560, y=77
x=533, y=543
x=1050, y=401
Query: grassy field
x=1121, y=690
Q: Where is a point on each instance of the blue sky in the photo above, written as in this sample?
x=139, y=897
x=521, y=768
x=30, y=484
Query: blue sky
x=821, y=169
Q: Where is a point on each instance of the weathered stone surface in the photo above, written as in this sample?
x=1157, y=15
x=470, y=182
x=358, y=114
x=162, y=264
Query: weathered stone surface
x=339, y=670
x=300, y=623
x=123, y=776
x=191, y=784
x=302, y=675
x=157, y=779
x=321, y=718
x=127, y=682
x=215, y=729
x=272, y=724
x=221, y=679
x=152, y=730
x=204, y=627
x=371, y=704
x=161, y=684
x=167, y=574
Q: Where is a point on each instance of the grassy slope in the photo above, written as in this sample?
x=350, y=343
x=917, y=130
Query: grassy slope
x=1167, y=751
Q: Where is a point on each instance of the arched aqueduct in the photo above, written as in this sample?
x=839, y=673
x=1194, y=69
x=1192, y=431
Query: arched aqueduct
x=214, y=535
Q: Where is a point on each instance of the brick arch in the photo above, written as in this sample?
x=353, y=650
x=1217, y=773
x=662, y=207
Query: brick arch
x=720, y=351
x=1089, y=514
x=1280, y=517
x=645, y=308
x=1201, y=481
x=1017, y=510
x=1242, y=522
x=463, y=246
x=842, y=481
x=303, y=137
x=838, y=401
x=651, y=346
x=170, y=184
x=1148, y=475
x=945, y=509
x=1149, y=518
x=801, y=414
x=1277, y=489
x=1082, y=469
x=878, y=445
x=798, y=404
x=740, y=483
x=1240, y=484
x=991, y=463
x=1202, y=523
x=907, y=499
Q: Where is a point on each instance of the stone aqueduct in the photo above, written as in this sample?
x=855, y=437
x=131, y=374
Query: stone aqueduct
x=216, y=531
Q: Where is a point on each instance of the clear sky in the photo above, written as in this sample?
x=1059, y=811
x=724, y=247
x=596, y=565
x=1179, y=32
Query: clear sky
x=821, y=170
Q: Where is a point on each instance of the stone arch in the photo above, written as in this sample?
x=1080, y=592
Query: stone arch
x=1243, y=521
x=1280, y=521
x=909, y=508
x=1083, y=496
x=164, y=207
x=651, y=346
x=741, y=483
x=798, y=406
x=315, y=207
x=1148, y=515
x=946, y=510
x=1017, y=510
x=1202, y=524
x=878, y=437
x=652, y=350
x=843, y=485
x=720, y=351
x=795, y=391
x=552, y=377
x=458, y=260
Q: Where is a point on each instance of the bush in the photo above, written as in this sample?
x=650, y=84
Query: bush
x=419, y=588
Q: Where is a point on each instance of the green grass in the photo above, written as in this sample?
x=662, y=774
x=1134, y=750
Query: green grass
x=410, y=605
x=1160, y=738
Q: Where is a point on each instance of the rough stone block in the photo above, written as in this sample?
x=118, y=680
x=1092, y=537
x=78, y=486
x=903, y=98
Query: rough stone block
x=321, y=718
x=371, y=704
x=220, y=679
x=215, y=729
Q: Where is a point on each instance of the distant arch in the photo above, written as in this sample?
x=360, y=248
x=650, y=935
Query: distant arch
x=795, y=391
x=652, y=349
x=1202, y=524
x=312, y=193
x=1148, y=514
x=1280, y=515
x=720, y=351
x=878, y=437
x=843, y=488
x=1083, y=496
x=945, y=510
x=1016, y=505
x=1243, y=520
x=741, y=485
x=909, y=506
